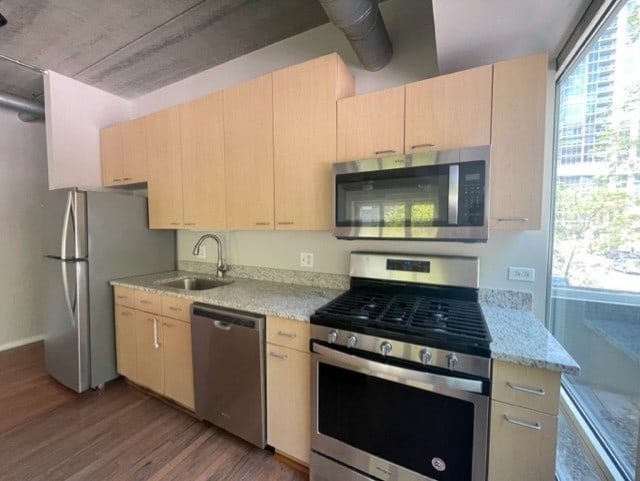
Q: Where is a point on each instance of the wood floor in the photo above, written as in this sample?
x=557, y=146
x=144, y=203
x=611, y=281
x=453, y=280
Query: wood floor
x=50, y=433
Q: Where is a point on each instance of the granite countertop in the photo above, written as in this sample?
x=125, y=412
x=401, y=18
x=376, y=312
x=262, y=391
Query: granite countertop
x=518, y=337
x=262, y=297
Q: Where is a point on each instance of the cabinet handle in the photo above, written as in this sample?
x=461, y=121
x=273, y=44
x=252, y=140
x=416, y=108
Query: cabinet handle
x=389, y=151
x=537, y=426
x=513, y=219
x=428, y=144
x=116, y=180
x=166, y=324
x=173, y=308
x=285, y=222
x=188, y=223
x=282, y=357
x=528, y=390
x=262, y=223
x=127, y=178
x=290, y=335
x=121, y=297
x=144, y=301
x=156, y=344
x=125, y=313
x=175, y=223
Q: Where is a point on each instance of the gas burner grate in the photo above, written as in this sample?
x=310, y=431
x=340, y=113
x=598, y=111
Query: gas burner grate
x=422, y=316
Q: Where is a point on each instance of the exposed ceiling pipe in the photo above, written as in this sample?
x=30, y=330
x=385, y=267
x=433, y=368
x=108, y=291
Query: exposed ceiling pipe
x=28, y=110
x=362, y=24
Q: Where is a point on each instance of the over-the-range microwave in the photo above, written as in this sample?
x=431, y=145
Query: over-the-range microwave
x=438, y=195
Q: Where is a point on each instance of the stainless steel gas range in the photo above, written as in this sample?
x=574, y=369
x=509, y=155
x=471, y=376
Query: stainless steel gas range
x=400, y=373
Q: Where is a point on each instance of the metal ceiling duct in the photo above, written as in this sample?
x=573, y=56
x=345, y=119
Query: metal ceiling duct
x=28, y=110
x=362, y=24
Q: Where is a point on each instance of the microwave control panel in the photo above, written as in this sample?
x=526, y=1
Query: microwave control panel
x=471, y=193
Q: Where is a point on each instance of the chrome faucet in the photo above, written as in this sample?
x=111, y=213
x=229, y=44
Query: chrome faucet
x=221, y=267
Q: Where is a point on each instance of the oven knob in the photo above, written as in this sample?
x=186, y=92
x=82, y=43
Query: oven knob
x=352, y=340
x=452, y=361
x=385, y=348
x=425, y=356
x=333, y=337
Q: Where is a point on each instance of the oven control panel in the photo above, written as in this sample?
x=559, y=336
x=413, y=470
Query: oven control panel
x=426, y=356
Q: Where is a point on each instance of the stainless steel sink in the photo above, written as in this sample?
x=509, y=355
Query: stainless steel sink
x=194, y=283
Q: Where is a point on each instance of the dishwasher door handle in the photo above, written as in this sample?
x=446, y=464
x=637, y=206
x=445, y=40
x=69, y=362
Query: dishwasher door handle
x=225, y=326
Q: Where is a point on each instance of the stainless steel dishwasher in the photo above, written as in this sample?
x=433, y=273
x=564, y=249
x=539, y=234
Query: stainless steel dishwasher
x=228, y=369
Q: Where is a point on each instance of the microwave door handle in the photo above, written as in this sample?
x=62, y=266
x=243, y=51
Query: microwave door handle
x=454, y=182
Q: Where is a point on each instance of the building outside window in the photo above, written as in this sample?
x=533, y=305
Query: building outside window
x=594, y=306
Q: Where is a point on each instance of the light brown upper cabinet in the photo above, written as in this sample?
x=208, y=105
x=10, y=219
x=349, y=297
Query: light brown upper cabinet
x=449, y=111
x=304, y=140
x=164, y=169
x=123, y=153
x=517, y=142
x=371, y=125
x=203, y=177
x=248, y=154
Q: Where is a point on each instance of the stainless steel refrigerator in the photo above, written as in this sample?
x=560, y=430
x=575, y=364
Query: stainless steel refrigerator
x=91, y=238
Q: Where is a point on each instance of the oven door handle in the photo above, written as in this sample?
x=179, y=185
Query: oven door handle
x=419, y=379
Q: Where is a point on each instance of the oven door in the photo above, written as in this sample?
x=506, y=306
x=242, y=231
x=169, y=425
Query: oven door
x=394, y=423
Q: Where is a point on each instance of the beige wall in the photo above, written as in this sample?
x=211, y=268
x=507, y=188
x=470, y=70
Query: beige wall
x=414, y=59
x=23, y=177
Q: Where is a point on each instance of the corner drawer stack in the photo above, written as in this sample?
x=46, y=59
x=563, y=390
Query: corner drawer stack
x=524, y=422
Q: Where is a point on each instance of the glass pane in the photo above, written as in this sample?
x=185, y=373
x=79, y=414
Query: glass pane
x=595, y=295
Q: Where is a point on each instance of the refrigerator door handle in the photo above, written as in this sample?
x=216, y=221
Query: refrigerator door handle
x=67, y=295
x=68, y=214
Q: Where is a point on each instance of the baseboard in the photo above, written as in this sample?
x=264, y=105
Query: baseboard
x=21, y=342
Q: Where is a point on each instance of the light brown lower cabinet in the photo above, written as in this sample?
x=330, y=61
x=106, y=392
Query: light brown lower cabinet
x=153, y=350
x=522, y=444
x=149, y=353
x=178, y=365
x=288, y=388
x=126, y=349
x=524, y=423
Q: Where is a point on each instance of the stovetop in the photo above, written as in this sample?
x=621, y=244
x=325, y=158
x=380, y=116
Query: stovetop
x=421, y=316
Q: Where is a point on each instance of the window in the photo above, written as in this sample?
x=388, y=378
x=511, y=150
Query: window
x=594, y=306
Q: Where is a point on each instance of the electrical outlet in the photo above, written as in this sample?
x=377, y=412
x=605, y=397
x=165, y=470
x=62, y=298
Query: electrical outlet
x=203, y=253
x=527, y=274
x=306, y=259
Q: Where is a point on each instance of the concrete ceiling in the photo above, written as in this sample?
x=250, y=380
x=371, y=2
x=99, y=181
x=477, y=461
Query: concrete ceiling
x=131, y=47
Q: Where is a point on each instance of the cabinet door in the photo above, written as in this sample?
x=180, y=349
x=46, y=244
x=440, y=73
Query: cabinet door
x=134, y=152
x=518, y=142
x=288, y=401
x=203, y=163
x=126, y=345
x=164, y=168
x=449, y=111
x=522, y=444
x=371, y=125
x=248, y=154
x=178, y=365
x=111, y=155
x=304, y=136
x=149, y=351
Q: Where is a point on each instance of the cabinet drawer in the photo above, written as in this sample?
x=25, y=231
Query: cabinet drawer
x=288, y=333
x=530, y=387
x=148, y=301
x=124, y=296
x=522, y=444
x=176, y=307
